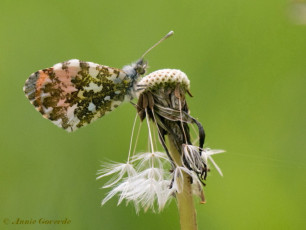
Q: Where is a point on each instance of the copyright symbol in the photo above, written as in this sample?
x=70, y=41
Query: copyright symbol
x=6, y=221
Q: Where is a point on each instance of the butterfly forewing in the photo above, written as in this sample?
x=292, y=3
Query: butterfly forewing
x=72, y=94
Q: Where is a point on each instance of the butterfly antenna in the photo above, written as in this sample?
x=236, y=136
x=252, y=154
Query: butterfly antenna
x=156, y=44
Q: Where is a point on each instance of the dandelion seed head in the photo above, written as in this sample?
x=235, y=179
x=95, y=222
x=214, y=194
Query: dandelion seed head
x=150, y=179
x=164, y=76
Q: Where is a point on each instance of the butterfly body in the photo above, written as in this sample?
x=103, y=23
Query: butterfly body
x=74, y=93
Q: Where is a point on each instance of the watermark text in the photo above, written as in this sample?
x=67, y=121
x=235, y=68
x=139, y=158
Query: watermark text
x=34, y=221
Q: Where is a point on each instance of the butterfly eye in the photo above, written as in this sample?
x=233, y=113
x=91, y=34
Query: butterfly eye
x=141, y=70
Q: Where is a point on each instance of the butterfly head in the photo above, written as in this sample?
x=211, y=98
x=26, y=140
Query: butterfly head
x=141, y=66
x=136, y=69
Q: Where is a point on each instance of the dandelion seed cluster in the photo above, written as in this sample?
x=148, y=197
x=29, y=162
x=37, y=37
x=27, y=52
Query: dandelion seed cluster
x=146, y=180
x=150, y=179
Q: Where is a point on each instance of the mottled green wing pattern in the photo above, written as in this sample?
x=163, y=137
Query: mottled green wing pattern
x=73, y=94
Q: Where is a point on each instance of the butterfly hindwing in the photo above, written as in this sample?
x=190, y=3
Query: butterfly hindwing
x=72, y=94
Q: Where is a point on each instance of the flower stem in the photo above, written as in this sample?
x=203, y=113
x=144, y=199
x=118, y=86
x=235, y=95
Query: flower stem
x=184, y=198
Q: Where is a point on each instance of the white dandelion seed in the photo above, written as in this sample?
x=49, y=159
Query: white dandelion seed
x=116, y=169
x=206, y=154
x=178, y=178
x=192, y=155
x=148, y=158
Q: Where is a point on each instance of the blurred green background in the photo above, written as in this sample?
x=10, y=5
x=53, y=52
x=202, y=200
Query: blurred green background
x=247, y=64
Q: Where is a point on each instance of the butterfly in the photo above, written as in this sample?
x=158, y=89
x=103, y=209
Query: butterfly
x=74, y=93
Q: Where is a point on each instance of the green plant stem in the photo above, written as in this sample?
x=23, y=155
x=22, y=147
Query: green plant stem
x=188, y=219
